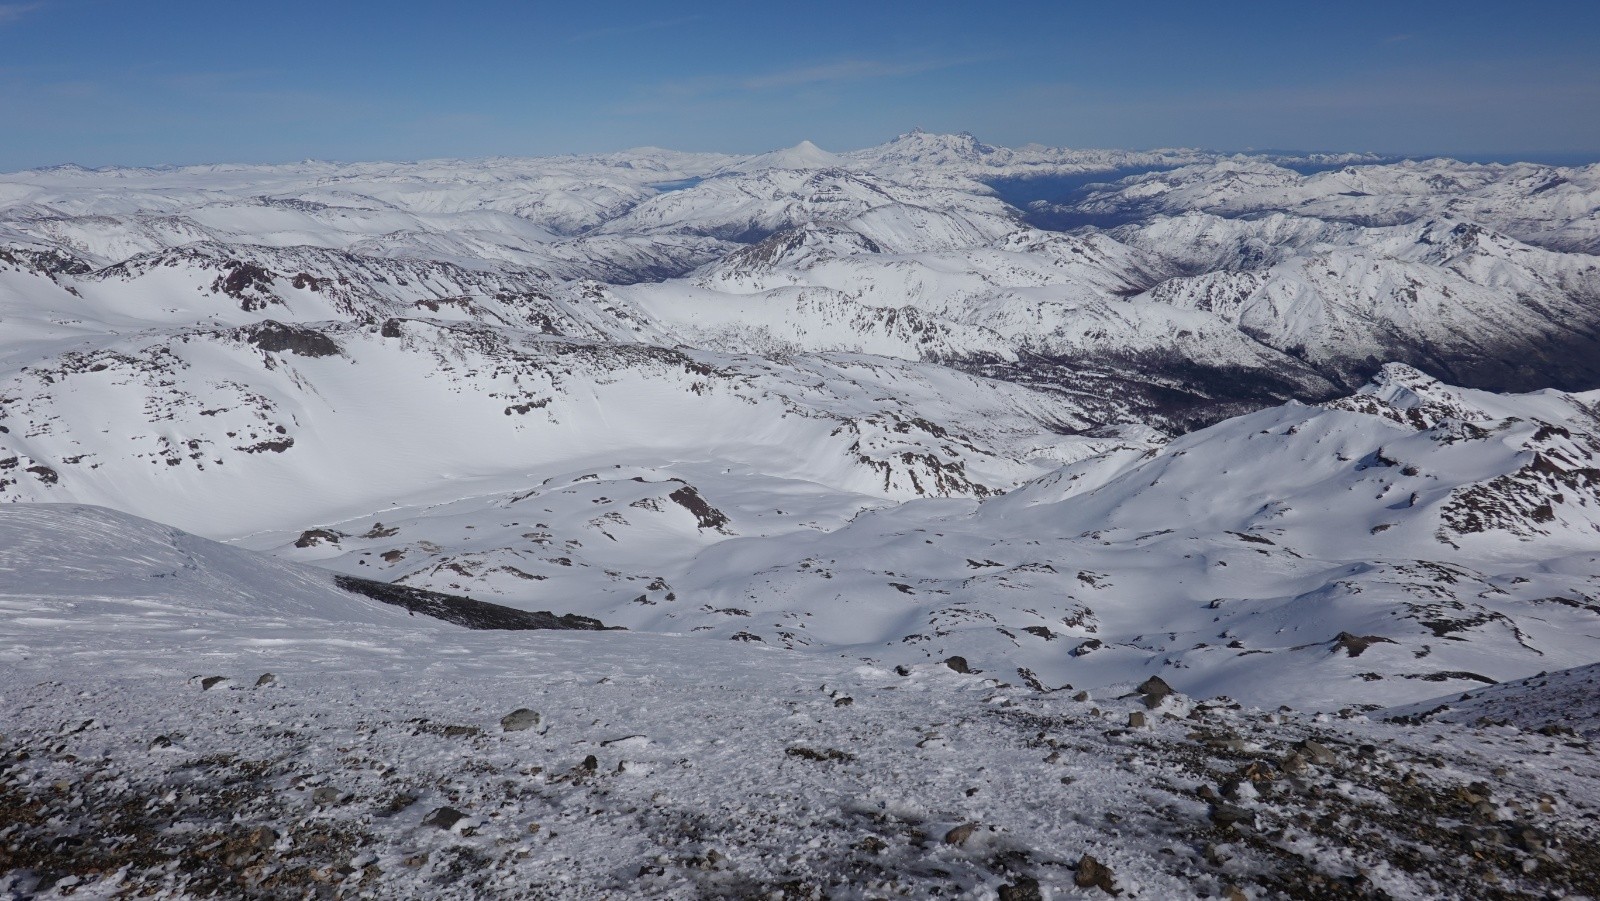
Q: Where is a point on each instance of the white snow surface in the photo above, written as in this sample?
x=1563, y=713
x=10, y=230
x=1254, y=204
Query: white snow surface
x=197, y=697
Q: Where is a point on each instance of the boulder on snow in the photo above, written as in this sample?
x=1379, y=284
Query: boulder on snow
x=1354, y=645
x=960, y=834
x=1316, y=752
x=518, y=720
x=1094, y=874
x=1229, y=815
x=445, y=818
x=1155, y=690
x=1026, y=888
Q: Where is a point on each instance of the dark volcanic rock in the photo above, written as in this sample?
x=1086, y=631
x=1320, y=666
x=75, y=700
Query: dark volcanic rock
x=1094, y=874
x=709, y=517
x=1154, y=690
x=960, y=834
x=1026, y=888
x=314, y=537
x=249, y=284
x=465, y=611
x=296, y=339
x=1354, y=645
x=444, y=818
x=1226, y=815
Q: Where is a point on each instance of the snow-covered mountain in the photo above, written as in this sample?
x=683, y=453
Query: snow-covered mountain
x=854, y=401
x=935, y=518
x=1365, y=551
x=1549, y=206
x=1458, y=299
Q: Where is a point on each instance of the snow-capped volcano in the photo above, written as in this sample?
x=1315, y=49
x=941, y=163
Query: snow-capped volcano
x=804, y=155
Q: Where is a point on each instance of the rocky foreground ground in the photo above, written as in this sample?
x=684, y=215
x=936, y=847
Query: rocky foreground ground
x=592, y=771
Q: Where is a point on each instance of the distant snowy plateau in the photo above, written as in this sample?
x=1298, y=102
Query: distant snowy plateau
x=1133, y=509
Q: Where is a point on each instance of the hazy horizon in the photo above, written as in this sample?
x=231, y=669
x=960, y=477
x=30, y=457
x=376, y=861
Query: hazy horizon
x=179, y=83
x=1559, y=158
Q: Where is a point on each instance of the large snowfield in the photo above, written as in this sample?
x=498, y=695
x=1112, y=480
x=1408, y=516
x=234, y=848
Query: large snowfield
x=806, y=525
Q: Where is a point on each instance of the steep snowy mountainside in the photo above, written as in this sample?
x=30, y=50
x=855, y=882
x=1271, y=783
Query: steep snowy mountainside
x=1119, y=361
x=1290, y=304
x=232, y=429
x=1548, y=206
x=211, y=285
x=1195, y=243
x=1450, y=296
x=964, y=259
x=1049, y=310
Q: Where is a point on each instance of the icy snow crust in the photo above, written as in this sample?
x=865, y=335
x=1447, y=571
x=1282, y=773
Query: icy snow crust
x=796, y=420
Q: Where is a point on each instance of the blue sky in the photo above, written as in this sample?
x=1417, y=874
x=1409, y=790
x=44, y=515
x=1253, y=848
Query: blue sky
x=99, y=82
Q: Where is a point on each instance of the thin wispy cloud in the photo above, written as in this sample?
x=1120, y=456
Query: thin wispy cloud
x=846, y=70
x=214, y=82
x=812, y=75
x=11, y=12
x=620, y=31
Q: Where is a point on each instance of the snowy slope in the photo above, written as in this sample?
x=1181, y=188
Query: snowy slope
x=773, y=398
x=107, y=572
x=1459, y=549
x=235, y=429
x=899, y=500
x=1362, y=552
x=1448, y=295
x=1565, y=702
x=156, y=744
x=1554, y=207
